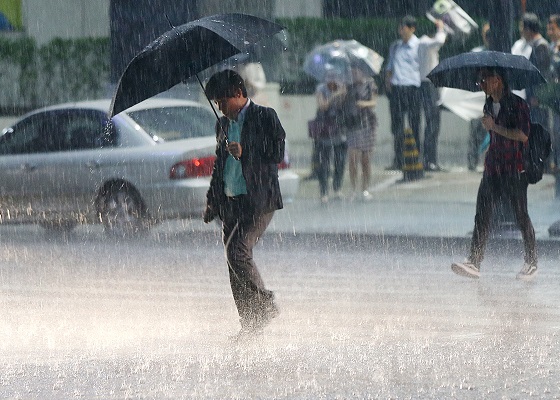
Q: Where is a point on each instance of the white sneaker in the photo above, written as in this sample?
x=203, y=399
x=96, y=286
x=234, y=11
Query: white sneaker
x=528, y=272
x=466, y=268
x=324, y=199
x=366, y=196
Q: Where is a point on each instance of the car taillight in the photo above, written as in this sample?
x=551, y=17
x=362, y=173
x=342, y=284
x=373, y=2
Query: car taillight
x=193, y=168
x=284, y=164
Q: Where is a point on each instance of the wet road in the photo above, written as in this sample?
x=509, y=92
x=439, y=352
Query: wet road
x=87, y=317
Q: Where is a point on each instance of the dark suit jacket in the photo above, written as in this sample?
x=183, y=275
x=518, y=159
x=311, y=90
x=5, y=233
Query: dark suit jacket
x=262, y=142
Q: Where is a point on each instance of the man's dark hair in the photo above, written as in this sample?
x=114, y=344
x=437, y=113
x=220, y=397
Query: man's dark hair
x=409, y=21
x=224, y=84
x=554, y=19
x=531, y=22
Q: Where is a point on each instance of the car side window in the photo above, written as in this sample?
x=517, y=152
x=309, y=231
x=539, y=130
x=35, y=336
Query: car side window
x=174, y=123
x=84, y=130
x=25, y=137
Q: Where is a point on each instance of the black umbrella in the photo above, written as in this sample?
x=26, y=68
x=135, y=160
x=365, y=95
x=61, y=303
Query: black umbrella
x=461, y=71
x=186, y=50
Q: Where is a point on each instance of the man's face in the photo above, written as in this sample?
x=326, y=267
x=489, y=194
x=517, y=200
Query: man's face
x=406, y=32
x=553, y=31
x=231, y=106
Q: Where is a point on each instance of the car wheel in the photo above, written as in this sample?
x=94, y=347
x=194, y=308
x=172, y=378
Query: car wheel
x=122, y=212
x=59, y=226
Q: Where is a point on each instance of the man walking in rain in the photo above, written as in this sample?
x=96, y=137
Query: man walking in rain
x=507, y=118
x=244, y=192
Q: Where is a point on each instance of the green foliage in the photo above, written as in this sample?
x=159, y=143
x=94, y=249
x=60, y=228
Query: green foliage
x=61, y=70
x=19, y=53
x=376, y=33
x=74, y=69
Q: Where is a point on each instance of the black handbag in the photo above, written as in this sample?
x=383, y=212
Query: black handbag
x=321, y=128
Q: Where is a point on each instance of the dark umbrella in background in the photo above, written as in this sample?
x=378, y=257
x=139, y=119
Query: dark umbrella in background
x=550, y=95
x=461, y=71
x=186, y=50
x=338, y=57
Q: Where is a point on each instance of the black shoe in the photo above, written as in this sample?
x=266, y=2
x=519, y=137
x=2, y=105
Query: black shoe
x=246, y=335
x=260, y=317
x=270, y=312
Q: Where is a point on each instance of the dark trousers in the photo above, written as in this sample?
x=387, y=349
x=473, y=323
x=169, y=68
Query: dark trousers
x=324, y=157
x=513, y=190
x=555, y=133
x=240, y=232
x=404, y=100
x=432, y=116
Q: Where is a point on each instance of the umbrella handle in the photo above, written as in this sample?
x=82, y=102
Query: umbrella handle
x=204, y=91
x=168, y=20
x=212, y=107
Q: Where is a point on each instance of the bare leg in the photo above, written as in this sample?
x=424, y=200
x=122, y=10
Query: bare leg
x=353, y=155
x=366, y=169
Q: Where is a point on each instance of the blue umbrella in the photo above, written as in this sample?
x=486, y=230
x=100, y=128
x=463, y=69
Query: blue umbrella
x=338, y=57
x=461, y=71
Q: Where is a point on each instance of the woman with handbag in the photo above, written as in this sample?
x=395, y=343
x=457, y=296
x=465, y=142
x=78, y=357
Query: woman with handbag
x=362, y=127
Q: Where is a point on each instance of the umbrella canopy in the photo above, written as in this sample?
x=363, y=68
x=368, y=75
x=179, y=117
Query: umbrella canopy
x=186, y=50
x=461, y=71
x=338, y=57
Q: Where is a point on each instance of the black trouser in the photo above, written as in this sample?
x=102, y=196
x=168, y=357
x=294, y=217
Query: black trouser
x=555, y=132
x=404, y=100
x=339, y=151
x=240, y=232
x=514, y=190
x=432, y=116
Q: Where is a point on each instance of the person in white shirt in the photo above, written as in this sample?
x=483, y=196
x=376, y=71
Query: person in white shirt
x=477, y=133
x=533, y=46
x=521, y=48
x=540, y=57
x=428, y=59
x=402, y=85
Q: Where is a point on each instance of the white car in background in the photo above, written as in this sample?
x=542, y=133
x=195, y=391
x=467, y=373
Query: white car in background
x=66, y=164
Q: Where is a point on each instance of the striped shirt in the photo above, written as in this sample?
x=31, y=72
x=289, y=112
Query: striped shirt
x=505, y=156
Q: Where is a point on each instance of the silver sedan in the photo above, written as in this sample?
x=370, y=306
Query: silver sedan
x=69, y=164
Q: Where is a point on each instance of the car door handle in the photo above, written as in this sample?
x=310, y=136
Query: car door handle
x=28, y=167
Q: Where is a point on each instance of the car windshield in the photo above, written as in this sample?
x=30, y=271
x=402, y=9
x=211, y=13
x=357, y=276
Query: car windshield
x=174, y=123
